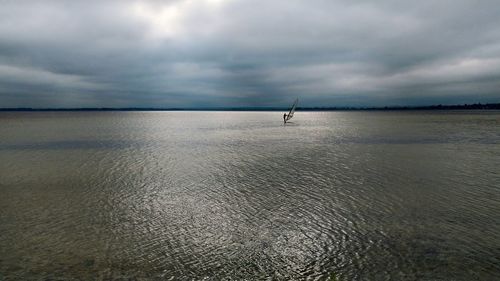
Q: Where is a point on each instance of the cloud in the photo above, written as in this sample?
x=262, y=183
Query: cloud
x=27, y=75
x=247, y=53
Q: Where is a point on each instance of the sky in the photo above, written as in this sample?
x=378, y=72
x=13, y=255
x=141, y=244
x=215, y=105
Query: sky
x=259, y=53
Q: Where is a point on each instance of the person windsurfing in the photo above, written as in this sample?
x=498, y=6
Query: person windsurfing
x=289, y=116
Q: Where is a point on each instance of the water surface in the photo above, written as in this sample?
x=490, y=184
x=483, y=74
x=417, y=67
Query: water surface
x=237, y=195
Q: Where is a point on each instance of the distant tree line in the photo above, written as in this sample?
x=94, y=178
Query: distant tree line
x=485, y=106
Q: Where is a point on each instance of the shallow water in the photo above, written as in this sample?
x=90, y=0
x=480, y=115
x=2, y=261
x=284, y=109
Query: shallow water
x=237, y=195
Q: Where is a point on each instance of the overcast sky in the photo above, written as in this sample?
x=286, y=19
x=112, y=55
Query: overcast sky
x=248, y=53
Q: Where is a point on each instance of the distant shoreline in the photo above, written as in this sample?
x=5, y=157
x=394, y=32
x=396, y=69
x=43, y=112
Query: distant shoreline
x=476, y=106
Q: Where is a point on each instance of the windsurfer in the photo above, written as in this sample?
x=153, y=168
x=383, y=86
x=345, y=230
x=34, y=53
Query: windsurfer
x=284, y=117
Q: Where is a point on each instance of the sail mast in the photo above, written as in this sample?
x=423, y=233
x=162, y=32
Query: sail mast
x=292, y=110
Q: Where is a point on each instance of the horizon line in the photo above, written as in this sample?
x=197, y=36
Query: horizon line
x=264, y=108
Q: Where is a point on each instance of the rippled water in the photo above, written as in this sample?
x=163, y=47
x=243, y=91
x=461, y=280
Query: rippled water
x=237, y=195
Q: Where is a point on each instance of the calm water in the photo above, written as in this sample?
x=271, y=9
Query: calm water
x=237, y=195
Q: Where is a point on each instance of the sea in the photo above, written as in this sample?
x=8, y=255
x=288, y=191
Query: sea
x=221, y=195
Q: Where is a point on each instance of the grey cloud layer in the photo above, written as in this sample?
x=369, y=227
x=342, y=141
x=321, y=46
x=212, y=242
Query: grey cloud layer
x=247, y=53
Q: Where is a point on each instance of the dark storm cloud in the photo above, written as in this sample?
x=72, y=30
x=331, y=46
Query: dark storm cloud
x=247, y=53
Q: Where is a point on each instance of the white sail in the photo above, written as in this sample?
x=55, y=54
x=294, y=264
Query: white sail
x=292, y=110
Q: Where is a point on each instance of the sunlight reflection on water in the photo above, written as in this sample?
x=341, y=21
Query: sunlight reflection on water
x=238, y=195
